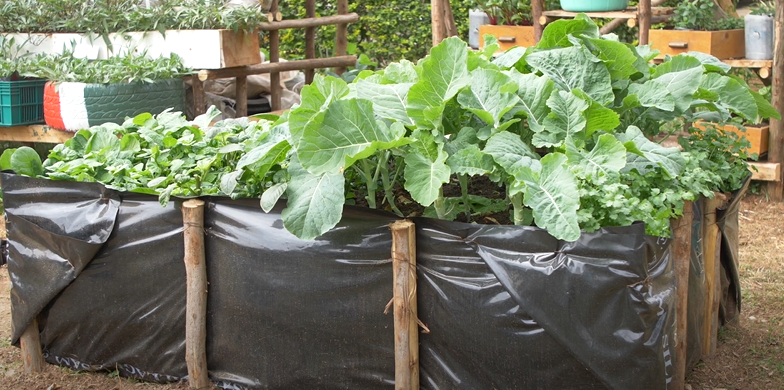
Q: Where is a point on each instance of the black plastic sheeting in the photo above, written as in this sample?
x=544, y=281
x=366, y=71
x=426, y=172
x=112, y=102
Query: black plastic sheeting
x=727, y=219
x=507, y=307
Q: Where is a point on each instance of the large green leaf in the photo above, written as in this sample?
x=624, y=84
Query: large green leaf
x=732, y=94
x=597, y=116
x=554, y=198
x=571, y=68
x=651, y=94
x=565, y=118
x=5, y=159
x=556, y=34
x=651, y=154
x=26, y=161
x=764, y=109
x=711, y=63
x=470, y=161
x=403, y=72
x=533, y=92
x=617, y=56
x=389, y=100
x=270, y=197
x=316, y=98
x=348, y=131
x=492, y=94
x=513, y=155
x=444, y=74
x=607, y=157
x=681, y=76
x=426, y=170
x=315, y=202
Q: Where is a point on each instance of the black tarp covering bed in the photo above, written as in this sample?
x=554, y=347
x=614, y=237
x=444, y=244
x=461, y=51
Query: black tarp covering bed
x=508, y=307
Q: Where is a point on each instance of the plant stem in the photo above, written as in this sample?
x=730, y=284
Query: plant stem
x=440, y=204
x=518, y=214
x=464, y=195
x=370, y=183
x=388, y=194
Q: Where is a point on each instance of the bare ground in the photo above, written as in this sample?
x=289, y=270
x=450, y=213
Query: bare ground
x=750, y=356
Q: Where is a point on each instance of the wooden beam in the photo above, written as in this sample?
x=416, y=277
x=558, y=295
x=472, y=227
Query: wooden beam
x=309, y=22
x=765, y=171
x=274, y=49
x=711, y=254
x=210, y=74
x=310, y=39
x=241, y=96
x=34, y=133
x=537, y=8
x=405, y=305
x=196, y=294
x=341, y=37
x=644, y=21
x=30, y=349
x=681, y=255
x=776, y=144
x=199, y=99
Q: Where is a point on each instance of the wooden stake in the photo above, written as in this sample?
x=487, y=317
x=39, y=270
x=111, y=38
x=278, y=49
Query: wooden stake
x=198, y=96
x=341, y=36
x=537, y=7
x=310, y=39
x=30, y=343
x=644, y=19
x=196, y=289
x=776, y=143
x=210, y=74
x=274, y=50
x=310, y=22
x=405, y=305
x=681, y=255
x=711, y=241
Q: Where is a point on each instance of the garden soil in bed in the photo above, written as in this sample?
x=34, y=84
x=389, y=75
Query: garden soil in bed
x=750, y=355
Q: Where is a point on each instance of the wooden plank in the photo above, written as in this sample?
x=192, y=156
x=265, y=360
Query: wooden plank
x=405, y=305
x=310, y=39
x=743, y=63
x=765, y=171
x=196, y=294
x=711, y=250
x=681, y=254
x=239, y=49
x=776, y=141
x=210, y=74
x=508, y=36
x=34, y=133
x=723, y=44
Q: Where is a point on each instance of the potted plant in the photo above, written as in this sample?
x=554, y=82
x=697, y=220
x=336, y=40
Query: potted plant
x=205, y=34
x=511, y=22
x=759, y=31
x=81, y=93
x=696, y=27
x=21, y=98
x=594, y=5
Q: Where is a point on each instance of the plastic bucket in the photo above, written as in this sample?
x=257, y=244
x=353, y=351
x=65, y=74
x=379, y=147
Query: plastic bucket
x=475, y=19
x=594, y=5
x=759, y=37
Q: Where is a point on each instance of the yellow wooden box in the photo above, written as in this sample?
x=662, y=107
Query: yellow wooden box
x=724, y=44
x=757, y=135
x=507, y=36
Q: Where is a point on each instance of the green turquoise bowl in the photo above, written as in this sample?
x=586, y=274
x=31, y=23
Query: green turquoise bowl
x=594, y=5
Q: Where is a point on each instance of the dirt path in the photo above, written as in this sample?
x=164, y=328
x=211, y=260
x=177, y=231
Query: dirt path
x=749, y=356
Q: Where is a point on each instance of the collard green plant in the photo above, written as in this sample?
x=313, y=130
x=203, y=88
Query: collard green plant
x=562, y=127
x=701, y=15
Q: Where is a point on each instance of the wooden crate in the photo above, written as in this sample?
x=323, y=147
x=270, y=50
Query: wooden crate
x=507, y=36
x=723, y=44
x=757, y=135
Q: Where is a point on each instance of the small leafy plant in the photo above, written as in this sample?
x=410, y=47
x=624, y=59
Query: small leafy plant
x=701, y=15
x=767, y=8
x=511, y=12
x=562, y=128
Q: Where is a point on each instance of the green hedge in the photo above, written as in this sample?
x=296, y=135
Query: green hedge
x=388, y=30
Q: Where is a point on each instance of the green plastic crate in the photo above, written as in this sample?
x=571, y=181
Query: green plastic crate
x=21, y=102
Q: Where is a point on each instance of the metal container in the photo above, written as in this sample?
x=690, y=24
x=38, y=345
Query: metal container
x=476, y=18
x=759, y=37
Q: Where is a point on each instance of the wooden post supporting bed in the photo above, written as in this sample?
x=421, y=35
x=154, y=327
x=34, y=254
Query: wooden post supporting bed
x=681, y=256
x=405, y=305
x=196, y=290
x=711, y=241
x=776, y=142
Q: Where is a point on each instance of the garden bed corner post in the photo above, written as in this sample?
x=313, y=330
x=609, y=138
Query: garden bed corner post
x=196, y=290
x=405, y=305
x=681, y=257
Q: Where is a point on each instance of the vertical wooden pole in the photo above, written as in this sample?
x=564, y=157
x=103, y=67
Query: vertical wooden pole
x=437, y=19
x=30, y=340
x=405, y=305
x=341, y=35
x=681, y=255
x=241, y=96
x=711, y=241
x=537, y=7
x=196, y=290
x=274, y=49
x=198, y=95
x=30, y=343
x=776, y=140
x=644, y=19
x=310, y=39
